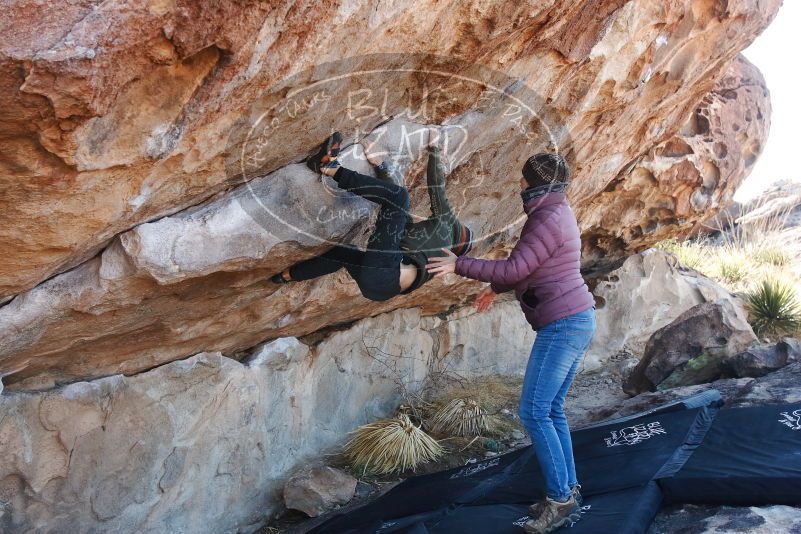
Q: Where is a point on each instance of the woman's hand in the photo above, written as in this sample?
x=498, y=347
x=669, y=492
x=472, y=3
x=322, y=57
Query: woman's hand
x=440, y=265
x=485, y=298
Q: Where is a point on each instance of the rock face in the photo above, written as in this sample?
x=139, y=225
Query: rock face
x=643, y=295
x=130, y=243
x=118, y=116
x=203, y=444
x=662, y=192
x=148, y=193
x=691, y=346
x=319, y=489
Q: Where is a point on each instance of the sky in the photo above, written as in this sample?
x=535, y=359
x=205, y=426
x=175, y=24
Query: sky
x=776, y=53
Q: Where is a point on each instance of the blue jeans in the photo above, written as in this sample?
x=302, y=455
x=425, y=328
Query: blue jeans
x=555, y=356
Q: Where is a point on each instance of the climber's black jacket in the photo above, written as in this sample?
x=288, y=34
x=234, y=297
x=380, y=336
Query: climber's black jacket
x=425, y=238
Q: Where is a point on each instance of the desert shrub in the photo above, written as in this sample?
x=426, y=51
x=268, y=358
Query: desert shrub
x=492, y=393
x=773, y=307
x=391, y=446
x=461, y=417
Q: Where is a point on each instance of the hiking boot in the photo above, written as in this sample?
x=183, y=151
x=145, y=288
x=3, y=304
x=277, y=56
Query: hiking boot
x=327, y=155
x=536, y=509
x=553, y=515
x=577, y=495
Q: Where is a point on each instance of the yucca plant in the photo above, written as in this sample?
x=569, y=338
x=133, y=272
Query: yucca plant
x=773, y=307
x=391, y=446
x=461, y=417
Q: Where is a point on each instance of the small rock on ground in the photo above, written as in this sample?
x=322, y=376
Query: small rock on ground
x=319, y=489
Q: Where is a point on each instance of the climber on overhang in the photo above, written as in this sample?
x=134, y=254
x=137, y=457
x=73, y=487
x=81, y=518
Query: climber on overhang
x=398, y=250
x=543, y=269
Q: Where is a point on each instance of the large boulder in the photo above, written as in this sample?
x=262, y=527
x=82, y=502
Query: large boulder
x=316, y=490
x=118, y=116
x=646, y=293
x=692, y=349
x=130, y=241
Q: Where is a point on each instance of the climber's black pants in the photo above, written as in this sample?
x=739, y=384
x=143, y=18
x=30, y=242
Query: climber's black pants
x=377, y=269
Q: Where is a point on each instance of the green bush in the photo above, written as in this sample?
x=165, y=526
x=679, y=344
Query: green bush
x=774, y=307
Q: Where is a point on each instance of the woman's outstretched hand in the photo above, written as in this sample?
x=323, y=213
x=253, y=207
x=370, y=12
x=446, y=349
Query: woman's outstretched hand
x=485, y=298
x=442, y=265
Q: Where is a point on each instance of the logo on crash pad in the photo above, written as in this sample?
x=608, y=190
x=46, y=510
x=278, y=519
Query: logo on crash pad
x=632, y=435
x=791, y=419
x=386, y=525
x=473, y=469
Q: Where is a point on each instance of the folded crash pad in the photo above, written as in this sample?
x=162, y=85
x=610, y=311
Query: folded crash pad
x=749, y=456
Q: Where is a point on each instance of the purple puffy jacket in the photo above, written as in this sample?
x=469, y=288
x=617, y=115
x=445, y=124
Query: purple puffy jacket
x=543, y=267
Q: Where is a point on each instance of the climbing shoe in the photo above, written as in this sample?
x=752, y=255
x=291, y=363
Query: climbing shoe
x=553, y=515
x=326, y=156
x=278, y=278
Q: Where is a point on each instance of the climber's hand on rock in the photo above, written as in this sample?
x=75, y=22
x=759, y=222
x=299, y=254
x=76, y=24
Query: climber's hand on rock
x=442, y=265
x=371, y=152
x=485, y=299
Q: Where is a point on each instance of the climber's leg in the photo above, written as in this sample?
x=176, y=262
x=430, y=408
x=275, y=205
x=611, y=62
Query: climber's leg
x=379, y=280
x=382, y=192
x=327, y=263
x=379, y=274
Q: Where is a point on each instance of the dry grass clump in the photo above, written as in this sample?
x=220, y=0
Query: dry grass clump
x=757, y=258
x=689, y=253
x=461, y=417
x=391, y=446
x=774, y=308
x=490, y=394
x=749, y=252
x=773, y=256
x=733, y=269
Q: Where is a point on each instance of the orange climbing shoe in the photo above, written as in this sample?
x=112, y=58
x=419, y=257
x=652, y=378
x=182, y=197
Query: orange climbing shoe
x=327, y=155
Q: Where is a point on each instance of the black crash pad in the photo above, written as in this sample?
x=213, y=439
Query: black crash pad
x=749, y=456
x=615, y=464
